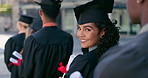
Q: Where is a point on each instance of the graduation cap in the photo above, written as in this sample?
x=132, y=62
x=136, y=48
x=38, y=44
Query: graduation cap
x=94, y=11
x=50, y=7
x=36, y=24
x=26, y=19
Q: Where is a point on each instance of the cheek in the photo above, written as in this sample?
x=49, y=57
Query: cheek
x=133, y=11
x=94, y=39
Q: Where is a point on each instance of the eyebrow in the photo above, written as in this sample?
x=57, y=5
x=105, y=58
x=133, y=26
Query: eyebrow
x=87, y=26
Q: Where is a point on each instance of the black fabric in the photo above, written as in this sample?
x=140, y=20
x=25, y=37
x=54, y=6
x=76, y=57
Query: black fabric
x=91, y=12
x=26, y=19
x=14, y=43
x=36, y=24
x=43, y=51
x=85, y=64
x=126, y=61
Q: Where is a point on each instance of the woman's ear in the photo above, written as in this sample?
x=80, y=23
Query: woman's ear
x=102, y=32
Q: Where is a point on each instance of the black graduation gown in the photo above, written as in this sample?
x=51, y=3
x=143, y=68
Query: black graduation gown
x=14, y=43
x=43, y=51
x=85, y=64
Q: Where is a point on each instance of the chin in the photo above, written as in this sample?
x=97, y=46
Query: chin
x=84, y=46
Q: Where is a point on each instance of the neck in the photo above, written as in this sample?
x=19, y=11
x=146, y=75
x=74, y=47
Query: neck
x=144, y=20
x=23, y=31
x=144, y=14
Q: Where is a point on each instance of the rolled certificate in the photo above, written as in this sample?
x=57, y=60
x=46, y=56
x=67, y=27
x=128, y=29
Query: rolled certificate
x=13, y=60
x=16, y=54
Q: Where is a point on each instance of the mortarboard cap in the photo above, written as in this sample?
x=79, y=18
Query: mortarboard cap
x=36, y=24
x=107, y=5
x=92, y=12
x=26, y=19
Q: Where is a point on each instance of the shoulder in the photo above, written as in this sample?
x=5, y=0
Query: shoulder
x=136, y=48
x=80, y=59
x=19, y=36
x=30, y=39
x=17, y=39
x=55, y=36
x=90, y=58
x=132, y=54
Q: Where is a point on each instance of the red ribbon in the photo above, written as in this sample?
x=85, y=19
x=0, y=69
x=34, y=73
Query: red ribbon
x=62, y=68
x=16, y=64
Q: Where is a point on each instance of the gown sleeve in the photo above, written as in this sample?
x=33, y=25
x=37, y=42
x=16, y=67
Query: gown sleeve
x=26, y=68
x=9, y=48
x=83, y=65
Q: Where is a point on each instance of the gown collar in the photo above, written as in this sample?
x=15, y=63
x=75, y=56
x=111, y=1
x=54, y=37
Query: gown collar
x=49, y=24
x=144, y=29
x=21, y=32
x=92, y=48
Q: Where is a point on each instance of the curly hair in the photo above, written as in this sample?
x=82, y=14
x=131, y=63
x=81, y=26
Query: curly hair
x=108, y=40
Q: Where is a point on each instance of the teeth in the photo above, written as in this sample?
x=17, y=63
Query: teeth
x=83, y=40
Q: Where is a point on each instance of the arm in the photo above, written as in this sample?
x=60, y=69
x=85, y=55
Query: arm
x=9, y=48
x=78, y=64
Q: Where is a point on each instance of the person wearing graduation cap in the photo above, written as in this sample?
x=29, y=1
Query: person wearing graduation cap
x=129, y=60
x=15, y=43
x=48, y=48
x=96, y=33
x=34, y=27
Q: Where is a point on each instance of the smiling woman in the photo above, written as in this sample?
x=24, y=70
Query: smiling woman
x=96, y=33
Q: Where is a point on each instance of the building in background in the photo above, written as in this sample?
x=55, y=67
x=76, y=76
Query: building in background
x=67, y=21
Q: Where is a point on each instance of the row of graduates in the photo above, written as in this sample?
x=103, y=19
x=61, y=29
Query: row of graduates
x=47, y=51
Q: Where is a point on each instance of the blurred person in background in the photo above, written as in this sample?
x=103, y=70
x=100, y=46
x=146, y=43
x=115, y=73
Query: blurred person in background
x=15, y=43
x=34, y=27
x=129, y=60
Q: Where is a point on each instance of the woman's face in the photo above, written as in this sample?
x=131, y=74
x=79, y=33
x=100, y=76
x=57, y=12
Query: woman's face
x=88, y=35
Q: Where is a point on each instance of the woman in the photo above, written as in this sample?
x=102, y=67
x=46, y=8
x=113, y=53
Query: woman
x=15, y=43
x=96, y=33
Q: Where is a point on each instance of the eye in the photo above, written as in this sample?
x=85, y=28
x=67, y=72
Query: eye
x=87, y=29
x=78, y=28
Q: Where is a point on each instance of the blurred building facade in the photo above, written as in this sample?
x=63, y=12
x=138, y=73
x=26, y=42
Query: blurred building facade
x=66, y=19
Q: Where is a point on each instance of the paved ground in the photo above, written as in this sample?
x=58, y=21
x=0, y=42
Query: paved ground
x=4, y=73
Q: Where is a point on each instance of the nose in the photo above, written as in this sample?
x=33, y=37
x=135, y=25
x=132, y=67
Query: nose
x=80, y=34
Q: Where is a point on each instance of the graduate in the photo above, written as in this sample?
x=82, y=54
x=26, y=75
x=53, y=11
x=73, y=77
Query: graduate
x=36, y=25
x=96, y=33
x=48, y=48
x=15, y=43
